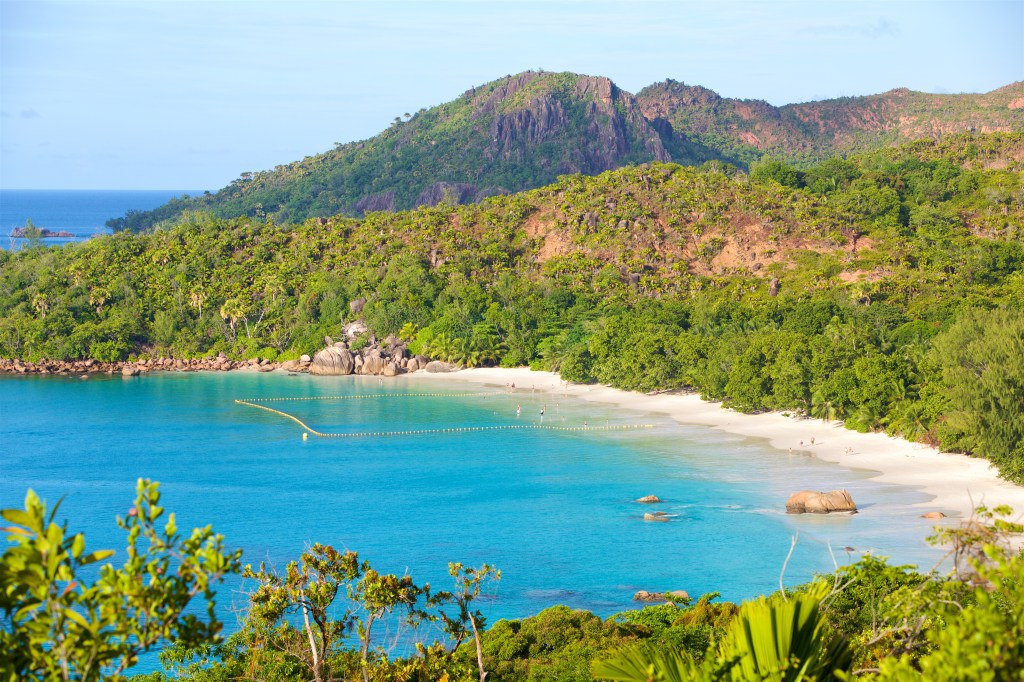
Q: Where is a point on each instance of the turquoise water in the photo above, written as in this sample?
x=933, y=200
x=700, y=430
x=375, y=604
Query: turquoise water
x=552, y=509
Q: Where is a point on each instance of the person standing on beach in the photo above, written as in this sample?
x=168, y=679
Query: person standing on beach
x=519, y=408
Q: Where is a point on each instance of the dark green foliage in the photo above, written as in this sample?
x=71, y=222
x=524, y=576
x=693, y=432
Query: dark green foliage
x=981, y=359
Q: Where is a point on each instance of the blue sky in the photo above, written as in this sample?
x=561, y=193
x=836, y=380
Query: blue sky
x=189, y=94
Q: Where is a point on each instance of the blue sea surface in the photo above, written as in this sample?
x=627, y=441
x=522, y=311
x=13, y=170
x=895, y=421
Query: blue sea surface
x=81, y=212
x=552, y=509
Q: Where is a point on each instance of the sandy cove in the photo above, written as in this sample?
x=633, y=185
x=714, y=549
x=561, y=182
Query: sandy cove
x=958, y=482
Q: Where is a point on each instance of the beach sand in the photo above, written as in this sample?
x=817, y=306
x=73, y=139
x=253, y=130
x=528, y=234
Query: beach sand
x=958, y=483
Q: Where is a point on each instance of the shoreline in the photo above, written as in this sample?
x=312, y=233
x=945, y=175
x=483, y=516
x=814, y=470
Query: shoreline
x=957, y=483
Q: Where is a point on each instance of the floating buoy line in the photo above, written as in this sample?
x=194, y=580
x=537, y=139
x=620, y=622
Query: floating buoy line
x=373, y=395
x=255, y=403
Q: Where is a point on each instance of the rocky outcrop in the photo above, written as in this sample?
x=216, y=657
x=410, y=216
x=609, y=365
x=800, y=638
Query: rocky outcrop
x=382, y=201
x=388, y=358
x=374, y=362
x=656, y=516
x=448, y=192
x=672, y=595
x=336, y=359
x=810, y=502
x=85, y=368
x=436, y=366
x=649, y=499
x=24, y=233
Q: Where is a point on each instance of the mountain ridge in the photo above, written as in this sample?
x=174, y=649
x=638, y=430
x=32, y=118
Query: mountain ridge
x=523, y=131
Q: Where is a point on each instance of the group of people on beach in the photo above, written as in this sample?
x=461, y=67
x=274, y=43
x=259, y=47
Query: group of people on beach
x=846, y=451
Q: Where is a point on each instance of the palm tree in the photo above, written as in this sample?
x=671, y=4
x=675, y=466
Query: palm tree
x=823, y=407
x=778, y=639
x=232, y=312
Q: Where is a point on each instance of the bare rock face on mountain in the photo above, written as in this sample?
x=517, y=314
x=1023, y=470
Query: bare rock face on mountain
x=331, y=361
x=810, y=502
x=447, y=192
x=598, y=125
x=382, y=201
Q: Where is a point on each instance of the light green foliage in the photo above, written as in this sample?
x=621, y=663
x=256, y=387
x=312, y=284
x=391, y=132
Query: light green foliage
x=985, y=643
x=57, y=626
x=784, y=640
x=468, y=584
x=778, y=639
x=978, y=635
x=310, y=588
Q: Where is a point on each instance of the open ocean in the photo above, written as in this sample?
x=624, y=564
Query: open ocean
x=80, y=212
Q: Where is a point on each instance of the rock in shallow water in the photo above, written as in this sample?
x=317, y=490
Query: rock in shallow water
x=811, y=502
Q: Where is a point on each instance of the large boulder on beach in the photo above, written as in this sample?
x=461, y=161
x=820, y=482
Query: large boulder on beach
x=438, y=366
x=811, y=502
x=373, y=363
x=331, y=361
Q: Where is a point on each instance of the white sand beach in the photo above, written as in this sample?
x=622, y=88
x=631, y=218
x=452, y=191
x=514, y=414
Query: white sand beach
x=958, y=483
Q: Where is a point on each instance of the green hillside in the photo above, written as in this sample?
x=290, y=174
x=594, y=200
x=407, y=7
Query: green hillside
x=742, y=131
x=515, y=133
x=863, y=289
x=523, y=131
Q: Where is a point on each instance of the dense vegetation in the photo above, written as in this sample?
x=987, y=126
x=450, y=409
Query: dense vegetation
x=315, y=621
x=883, y=290
x=521, y=132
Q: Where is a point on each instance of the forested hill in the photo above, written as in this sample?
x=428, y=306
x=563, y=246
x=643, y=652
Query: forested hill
x=885, y=289
x=523, y=131
x=743, y=131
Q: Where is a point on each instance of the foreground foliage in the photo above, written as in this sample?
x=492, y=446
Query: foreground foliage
x=58, y=626
x=868, y=620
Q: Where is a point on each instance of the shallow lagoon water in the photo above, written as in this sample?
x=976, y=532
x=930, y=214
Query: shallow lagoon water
x=553, y=509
